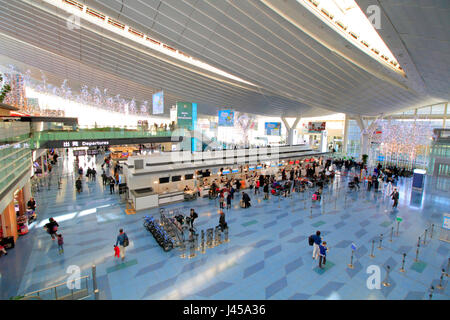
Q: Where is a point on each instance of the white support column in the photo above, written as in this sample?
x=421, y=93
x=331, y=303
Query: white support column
x=364, y=142
x=290, y=130
x=345, y=142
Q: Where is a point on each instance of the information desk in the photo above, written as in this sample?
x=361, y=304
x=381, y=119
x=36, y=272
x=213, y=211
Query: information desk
x=171, y=197
x=144, y=198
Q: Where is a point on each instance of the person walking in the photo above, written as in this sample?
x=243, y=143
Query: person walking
x=122, y=241
x=317, y=241
x=78, y=185
x=193, y=216
x=111, y=185
x=60, y=243
x=395, y=196
x=51, y=227
x=323, y=254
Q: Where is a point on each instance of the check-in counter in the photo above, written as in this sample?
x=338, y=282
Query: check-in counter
x=204, y=191
x=144, y=198
x=171, y=197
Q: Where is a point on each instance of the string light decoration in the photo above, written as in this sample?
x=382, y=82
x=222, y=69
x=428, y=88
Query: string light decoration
x=400, y=140
x=87, y=96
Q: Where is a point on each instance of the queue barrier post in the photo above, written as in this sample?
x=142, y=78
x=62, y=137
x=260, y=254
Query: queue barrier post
x=373, y=246
x=350, y=265
x=440, y=286
x=226, y=235
x=381, y=239
x=386, y=279
x=203, y=241
x=402, y=269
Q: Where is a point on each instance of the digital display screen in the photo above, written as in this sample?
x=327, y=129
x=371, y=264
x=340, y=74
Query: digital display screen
x=164, y=180
x=226, y=171
x=251, y=168
x=272, y=128
x=176, y=178
x=258, y=167
x=158, y=102
x=226, y=118
x=235, y=170
x=189, y=177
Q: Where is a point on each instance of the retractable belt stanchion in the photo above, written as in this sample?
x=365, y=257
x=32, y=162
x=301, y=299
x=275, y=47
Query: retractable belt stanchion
x=197, y=247
x=226, y=235
x=448, y=265
x=439, y=286
x=386, y=279
x=209, y=237
x=398, y=225
x=373, y=246
x=351, y=261
x=192, y=248
x=431, y=292
x=425, y=236
x=417, y=251
x=183, y=249
x=402, y=269
x=431, y=232
x=381, y=239
x=203, y=241
x=392, y=233
x=310, y=212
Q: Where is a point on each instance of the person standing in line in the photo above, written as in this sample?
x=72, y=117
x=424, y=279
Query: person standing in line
x=317, y=241
x=122, y=241
x=266, y=191
x=222, y=200
x=257, y=184
x=60, y=243
x=323, y=254
x=111, y=185
x=229, y=197
x=395, y=196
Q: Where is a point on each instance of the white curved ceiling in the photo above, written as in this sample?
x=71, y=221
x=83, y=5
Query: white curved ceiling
x=299, y=65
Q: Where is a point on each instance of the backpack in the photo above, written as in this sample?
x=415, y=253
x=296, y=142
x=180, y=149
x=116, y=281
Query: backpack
x=126, y=242
x=195, y=215
x=310, y=240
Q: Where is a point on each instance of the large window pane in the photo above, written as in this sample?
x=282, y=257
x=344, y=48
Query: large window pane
x=438, y=109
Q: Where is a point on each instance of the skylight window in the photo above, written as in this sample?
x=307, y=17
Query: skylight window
x=351, y=23
x=82, y=11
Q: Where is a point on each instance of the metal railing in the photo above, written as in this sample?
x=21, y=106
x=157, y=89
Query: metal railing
x=52, y=293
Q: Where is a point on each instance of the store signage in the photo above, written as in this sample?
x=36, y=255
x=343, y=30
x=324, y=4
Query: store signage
x=316, y=127
x=235, y=170
x=75, y=143
x=399, y=219
x=251, y=168
x=446, y=222
x=258, y=167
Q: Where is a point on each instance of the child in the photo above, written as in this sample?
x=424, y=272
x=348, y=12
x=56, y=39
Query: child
x=2, y=249
x=60, y=243
x=322, y=254
x=116, y=251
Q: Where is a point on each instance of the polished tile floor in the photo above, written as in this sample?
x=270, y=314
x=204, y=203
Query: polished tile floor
x=267, y=257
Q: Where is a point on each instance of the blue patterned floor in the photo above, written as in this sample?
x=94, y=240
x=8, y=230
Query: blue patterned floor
x=267, y=257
